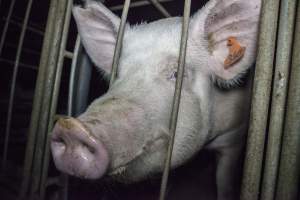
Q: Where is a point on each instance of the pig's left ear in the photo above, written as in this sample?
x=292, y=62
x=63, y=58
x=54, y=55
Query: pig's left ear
x=98, y=28
x=219, y=21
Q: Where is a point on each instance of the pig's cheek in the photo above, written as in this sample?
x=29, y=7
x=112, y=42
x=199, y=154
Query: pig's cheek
x=159, y=141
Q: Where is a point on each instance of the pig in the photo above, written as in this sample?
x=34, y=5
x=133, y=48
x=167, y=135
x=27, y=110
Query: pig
x=124, y=134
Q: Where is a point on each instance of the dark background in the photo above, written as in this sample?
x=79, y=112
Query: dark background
x=186, y=182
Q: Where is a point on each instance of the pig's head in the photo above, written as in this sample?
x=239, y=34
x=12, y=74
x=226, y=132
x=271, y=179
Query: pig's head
x=125, y=132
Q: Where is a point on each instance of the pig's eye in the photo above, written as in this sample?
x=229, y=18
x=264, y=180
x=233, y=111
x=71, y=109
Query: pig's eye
x=173, y=76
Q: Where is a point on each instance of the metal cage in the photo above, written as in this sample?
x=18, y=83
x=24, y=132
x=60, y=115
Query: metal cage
x=271, y=168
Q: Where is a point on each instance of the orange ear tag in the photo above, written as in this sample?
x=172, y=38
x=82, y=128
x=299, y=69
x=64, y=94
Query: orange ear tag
x=236, y=52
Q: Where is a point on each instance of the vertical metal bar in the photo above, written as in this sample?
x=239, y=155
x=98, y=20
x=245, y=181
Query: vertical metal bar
x=13, y=84
x=281, y=75
x=260, y=100
x=54, y=96
x=177, y=95
x=119, y=42
x=160, y=8
x=48, y=90
x=78, y=46
x=64, y=177
x=289, y=171
x=39, y=90
x=82, y=85
x=5, y=28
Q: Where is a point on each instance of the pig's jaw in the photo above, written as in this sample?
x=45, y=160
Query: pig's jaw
x=76, y=151
x=149, y=160
x=123, y=129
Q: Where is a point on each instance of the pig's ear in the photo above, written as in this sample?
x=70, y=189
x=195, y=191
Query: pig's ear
x=98, y=28
x=220, y=20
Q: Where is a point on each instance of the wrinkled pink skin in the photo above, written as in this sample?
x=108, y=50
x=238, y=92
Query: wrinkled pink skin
x=124, y=134
x=72, y=142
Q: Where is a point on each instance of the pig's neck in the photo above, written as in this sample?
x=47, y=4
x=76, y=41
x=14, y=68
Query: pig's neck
x=204, y=89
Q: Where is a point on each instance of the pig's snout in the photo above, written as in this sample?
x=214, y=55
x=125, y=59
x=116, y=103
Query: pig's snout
x=76, y=151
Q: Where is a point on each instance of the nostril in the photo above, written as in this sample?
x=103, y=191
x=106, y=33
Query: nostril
x=74, y=145
x=59, y=141
x=58, y=144
x=57, y=138
x=91, y=149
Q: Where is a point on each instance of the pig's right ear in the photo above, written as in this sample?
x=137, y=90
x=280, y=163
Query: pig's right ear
x=218, y=24
x=98, y=28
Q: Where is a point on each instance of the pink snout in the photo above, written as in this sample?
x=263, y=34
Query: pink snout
x=76, y=151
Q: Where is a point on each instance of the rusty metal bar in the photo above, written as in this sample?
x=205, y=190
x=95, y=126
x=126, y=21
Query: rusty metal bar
x=280, y=82
x=13, y=84
x=260, y=101
x=54, y=96
x=119, y=42
x=136, y=4
x=5, y=28
x=177, y=95
x=47, y=98
x=289, y=170
x=160, y=8
x=64, y=177
x=38, y=97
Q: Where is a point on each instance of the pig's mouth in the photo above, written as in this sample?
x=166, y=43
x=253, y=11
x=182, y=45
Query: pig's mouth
x=76, y=151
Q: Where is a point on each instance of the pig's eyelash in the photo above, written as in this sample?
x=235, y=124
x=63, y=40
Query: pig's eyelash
x=173, y=75
x=237, y=81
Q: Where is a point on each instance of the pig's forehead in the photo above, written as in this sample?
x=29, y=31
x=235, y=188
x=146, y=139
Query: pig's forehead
x=153, y=38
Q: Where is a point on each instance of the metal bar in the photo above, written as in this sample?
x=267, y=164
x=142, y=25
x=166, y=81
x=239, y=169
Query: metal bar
x=33, y=24
x=160, y=8
x=260, y=100
x=29, y=28
x=288, y=180
x=13, y=84
x=39, y=90
x=63, y=177
x=136, y=4
x=54, y=97
x=68, y=54
x=177, y=95
x=72, y=76
x=10, y=62
x=5, y=28
x=25, y=50
x=46, y=103
x=119, y=42
x=281, y=75
x=82, y=85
